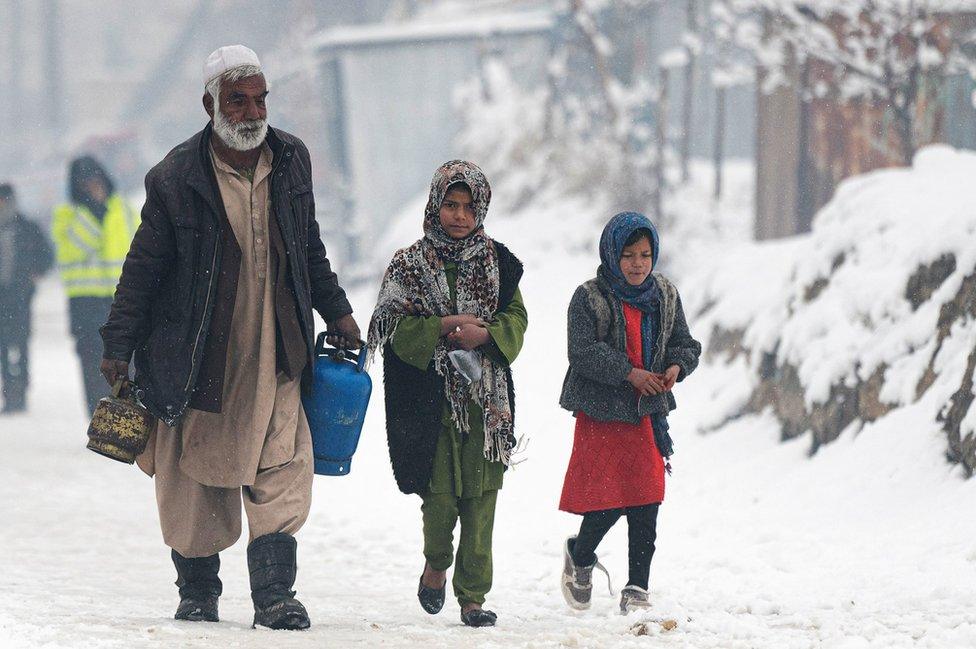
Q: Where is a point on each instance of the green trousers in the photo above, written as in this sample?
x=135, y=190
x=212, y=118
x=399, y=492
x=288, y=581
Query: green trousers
x=472, y=570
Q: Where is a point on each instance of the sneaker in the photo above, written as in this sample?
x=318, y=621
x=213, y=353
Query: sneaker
x=577, y=581
x=633, y=598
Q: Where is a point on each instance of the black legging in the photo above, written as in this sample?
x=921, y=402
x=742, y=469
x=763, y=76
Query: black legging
x=87, y=314
x=641, y=531
x=14, y=351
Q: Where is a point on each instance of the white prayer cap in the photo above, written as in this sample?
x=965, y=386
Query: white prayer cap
x=227, y=58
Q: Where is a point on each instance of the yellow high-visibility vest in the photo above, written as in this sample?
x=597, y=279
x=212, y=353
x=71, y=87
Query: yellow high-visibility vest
x=90, y=253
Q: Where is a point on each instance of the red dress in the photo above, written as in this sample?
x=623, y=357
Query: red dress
x=614, y=464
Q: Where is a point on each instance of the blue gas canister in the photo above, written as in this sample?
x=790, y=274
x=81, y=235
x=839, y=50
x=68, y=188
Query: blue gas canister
x=336, y=406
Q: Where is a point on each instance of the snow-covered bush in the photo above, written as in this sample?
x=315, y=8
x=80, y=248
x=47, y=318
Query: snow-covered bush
x=534, y=143
x=589, y=128
x=871, y=314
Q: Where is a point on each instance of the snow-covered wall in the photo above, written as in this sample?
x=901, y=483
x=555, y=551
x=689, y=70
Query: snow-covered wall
x=871, y=314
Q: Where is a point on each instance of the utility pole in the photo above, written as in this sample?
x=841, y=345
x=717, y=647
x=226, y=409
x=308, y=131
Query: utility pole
x=718, y=148
x=692, y=43
x=15, y=94
x=54, y=82
x=661, y=134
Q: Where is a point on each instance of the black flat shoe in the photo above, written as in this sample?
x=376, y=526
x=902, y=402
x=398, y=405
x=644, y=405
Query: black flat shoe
x=479, y=617
x=197, y=610
x=431, y=599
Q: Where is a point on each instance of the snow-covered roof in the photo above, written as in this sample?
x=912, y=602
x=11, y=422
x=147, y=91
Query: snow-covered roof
x=458, y=28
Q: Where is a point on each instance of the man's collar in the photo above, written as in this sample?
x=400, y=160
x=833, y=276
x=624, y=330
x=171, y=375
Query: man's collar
x=261, y=168
x=200, y=174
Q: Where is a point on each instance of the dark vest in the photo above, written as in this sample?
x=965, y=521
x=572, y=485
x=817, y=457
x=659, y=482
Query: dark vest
x=415, y=398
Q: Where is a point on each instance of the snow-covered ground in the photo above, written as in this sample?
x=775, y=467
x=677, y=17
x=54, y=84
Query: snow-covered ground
x=870, y=543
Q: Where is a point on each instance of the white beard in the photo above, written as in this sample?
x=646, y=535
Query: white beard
x=243, y=136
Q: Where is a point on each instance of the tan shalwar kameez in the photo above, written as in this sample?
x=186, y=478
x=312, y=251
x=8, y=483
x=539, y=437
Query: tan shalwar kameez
x=259, y=445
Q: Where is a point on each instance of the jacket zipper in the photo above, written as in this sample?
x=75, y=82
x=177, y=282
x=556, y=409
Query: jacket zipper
x=203, y=321
x=276, y=172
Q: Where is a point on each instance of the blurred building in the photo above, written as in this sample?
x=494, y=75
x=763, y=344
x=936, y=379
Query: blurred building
x=388, y=100
x=123, y=76
x=389, y=89
x=675, y=35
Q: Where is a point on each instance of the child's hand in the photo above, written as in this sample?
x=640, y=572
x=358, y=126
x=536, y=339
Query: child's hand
x=671, y=377
x=468, y=336
x=646, y=383
x=452, y=322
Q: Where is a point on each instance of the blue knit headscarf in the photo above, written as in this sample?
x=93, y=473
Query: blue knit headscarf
x=647, y=296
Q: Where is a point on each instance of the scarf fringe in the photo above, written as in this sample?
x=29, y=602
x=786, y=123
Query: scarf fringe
x=498, y=447
x=521, y=448
x=381, y=331
x=459, y=408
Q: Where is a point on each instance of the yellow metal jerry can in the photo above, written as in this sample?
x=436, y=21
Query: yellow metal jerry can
x=120, y=427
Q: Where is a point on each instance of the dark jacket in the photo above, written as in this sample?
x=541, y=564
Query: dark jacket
x=29, y=256
x=174, y=301
x=596, y=381
x=415, y=399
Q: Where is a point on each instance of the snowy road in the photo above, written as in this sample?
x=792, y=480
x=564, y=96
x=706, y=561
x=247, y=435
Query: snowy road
x=870, y=544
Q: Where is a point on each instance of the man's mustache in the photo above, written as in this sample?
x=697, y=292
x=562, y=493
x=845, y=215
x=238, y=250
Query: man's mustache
x=250, y=125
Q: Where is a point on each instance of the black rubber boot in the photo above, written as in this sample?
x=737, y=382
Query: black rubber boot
x=199, y=587
x=272, y=565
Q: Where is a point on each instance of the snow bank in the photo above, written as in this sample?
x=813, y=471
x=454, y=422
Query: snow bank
x=867, y=314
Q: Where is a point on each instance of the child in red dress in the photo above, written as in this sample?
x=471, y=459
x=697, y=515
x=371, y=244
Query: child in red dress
x=628, y=345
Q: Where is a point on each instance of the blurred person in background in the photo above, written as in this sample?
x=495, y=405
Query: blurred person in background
x=91, y=232
x=25, y=255
x=215, y=303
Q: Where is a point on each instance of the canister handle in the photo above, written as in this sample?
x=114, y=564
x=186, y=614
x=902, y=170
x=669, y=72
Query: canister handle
x=120, y=388
x=126, y=388
x=344, y=353
x=320, y=344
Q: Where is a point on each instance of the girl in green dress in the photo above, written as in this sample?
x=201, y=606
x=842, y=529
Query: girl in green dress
x=450, y=321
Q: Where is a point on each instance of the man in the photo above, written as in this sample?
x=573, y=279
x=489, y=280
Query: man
x=25, y=255
x=92, y=233
x=216, y=300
